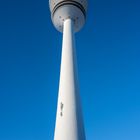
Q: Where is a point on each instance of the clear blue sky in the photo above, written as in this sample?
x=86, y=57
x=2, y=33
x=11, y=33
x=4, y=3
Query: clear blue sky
x=108, y=51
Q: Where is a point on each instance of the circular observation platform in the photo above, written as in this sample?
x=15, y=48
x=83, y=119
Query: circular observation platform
x=68, y=9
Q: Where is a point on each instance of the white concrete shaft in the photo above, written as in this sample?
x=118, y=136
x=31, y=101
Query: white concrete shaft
x=69, y=122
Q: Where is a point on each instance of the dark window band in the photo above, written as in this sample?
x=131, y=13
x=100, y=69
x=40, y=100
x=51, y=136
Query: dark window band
x=68, y=2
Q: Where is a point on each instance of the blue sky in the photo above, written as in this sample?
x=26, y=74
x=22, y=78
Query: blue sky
x=108, y=52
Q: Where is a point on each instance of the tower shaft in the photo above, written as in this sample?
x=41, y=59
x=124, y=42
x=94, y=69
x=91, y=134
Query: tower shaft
x=69, y=122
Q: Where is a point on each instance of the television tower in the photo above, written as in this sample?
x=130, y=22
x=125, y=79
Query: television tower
x=68, y=16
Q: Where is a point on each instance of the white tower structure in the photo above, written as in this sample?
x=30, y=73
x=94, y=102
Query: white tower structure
x=68, y=16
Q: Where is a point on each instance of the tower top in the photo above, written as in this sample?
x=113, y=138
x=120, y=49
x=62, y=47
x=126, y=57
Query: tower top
x=64, y=9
